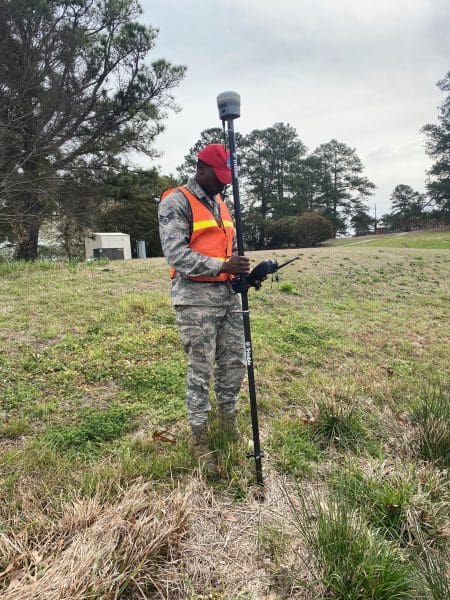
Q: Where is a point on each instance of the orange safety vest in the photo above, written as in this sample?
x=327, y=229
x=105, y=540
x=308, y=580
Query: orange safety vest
x=208, y=237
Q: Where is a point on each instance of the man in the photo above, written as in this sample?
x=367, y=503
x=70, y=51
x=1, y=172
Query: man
x=198, y=241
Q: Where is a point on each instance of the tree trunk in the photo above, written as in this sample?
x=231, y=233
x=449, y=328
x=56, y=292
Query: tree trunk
x=27, y=245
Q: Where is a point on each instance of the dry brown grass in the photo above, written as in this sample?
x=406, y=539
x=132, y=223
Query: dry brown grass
x=97, y=550
x=190, y=543
x=231, y=550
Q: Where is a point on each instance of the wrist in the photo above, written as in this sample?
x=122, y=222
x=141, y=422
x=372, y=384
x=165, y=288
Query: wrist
x=225, y=266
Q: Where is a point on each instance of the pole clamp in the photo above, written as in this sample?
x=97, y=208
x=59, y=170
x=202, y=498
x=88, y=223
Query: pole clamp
x=255, y=456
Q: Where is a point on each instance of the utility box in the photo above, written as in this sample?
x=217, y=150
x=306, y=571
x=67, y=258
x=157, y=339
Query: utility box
x=141, y=251
x=115, y=246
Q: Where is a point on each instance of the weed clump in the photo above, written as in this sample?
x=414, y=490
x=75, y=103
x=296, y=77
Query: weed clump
x=384, y=501
x=350, y=560
x=433, y=574
x=16, y=427
x=340, y=424
x=432, y=417
x=287, y=287
x=407, y=504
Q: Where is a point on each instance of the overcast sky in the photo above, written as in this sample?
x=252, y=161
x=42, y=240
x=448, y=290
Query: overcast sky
x=361, y=71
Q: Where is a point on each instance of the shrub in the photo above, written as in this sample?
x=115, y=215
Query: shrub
x=255, y=228
x=311, y=229
x=280, y=232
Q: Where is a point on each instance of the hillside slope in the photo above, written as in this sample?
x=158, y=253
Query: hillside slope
x=351, y=354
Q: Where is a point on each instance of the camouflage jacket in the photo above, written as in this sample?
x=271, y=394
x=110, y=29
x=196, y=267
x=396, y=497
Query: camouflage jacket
x=175, y=222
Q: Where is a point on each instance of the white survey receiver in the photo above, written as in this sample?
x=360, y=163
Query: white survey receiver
x=229, y=105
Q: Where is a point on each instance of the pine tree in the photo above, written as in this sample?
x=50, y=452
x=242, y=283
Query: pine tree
x=345, y=183
x=76, y=94
x=438, y=148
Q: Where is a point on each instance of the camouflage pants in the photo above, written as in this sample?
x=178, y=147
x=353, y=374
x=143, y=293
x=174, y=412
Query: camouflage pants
x=213, y=339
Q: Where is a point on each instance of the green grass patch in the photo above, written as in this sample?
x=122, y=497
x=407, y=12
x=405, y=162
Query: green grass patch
x=385, y=500
x=8, y=267
x=431, y=239
x=16, y=427
x=287, y=287
x=235, y=465
x=294, y=336
x=293, y=446
x=18, y=394
x=95, y=427
x=143, y=457
x=41, y=410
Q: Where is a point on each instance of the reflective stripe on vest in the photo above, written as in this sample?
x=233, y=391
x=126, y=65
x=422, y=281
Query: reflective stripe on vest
x=208, y=237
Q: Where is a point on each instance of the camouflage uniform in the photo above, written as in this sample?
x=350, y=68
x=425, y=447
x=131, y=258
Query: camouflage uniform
x=207, y=313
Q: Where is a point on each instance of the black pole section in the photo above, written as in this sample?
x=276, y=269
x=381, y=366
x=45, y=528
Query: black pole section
x=245, y=310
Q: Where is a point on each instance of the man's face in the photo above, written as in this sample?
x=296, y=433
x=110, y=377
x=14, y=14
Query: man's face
x=208, y=180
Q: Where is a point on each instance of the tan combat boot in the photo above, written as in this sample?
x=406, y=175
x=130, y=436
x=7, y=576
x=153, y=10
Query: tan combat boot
x=199, y=445
x=228, y=424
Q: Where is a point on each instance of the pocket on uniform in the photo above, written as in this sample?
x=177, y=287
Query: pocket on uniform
x=189, y=316
x=190, y=323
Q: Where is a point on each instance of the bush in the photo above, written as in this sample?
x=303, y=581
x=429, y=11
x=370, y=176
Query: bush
x=311, y=229
x=280, y=232
x=255, y=229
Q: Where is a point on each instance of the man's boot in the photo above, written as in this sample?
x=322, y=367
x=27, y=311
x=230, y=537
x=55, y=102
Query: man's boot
x=199, y=445
x=228, y=424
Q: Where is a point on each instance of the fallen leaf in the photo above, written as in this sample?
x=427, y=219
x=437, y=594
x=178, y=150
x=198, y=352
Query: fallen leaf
x=8, y=569
x=229, y=516
x=162, y=436
x=308, y=420
x=17, y=581
x=37, y=558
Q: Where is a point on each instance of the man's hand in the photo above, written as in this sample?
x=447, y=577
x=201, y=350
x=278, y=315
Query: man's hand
x=238, y=265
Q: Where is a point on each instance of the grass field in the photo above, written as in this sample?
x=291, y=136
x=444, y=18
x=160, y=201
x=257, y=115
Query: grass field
x=432, y=239
x=351, y=352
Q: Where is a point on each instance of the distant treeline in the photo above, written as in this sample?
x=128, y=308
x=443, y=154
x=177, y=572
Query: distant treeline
x=77, y=95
